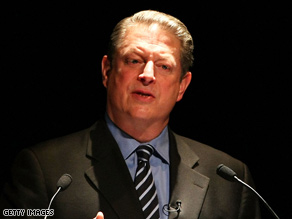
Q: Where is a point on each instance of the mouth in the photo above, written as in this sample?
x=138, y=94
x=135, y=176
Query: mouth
x=143, y=93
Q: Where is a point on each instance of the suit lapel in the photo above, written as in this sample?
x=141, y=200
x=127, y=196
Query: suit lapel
x=186, y=184
x=110, y=174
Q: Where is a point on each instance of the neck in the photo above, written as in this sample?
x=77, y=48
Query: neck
x=141, y=130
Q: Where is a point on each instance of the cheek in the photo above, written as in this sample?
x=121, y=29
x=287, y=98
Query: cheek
x=122, y=74
x=119, y=83
x=169, y=93
x=116, y=78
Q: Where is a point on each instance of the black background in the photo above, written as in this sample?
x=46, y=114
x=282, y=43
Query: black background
x=238, y=101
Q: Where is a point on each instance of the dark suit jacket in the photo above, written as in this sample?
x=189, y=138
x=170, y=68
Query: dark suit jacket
x=101, y=180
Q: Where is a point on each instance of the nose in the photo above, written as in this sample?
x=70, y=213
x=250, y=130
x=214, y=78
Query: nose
x=147, y=76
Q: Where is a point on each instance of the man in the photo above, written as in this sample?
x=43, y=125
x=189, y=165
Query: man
x=145, y=72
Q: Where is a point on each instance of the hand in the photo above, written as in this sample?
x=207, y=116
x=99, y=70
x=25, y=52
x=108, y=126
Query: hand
x=99, y=215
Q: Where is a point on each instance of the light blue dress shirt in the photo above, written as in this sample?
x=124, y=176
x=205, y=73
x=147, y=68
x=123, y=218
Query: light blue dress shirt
x=159, y=161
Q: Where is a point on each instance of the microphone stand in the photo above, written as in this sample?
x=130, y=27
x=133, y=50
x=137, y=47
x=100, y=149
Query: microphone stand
x=56, y=193
x=252, y=189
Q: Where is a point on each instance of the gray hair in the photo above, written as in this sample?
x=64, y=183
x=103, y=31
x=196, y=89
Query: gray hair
x=166, y=22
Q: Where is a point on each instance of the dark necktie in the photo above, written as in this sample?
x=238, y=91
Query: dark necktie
x=144, y=183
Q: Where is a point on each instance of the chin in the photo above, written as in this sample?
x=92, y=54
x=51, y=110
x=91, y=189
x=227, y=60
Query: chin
x=147, y=116
x=141, y=114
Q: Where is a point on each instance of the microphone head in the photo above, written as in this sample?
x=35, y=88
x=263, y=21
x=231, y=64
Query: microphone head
x=226, y=172
x=64, y=181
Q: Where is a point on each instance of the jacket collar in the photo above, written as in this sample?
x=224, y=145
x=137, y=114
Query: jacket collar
x=187, y=185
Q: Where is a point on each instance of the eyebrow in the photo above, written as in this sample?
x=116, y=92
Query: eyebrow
x=159, y=55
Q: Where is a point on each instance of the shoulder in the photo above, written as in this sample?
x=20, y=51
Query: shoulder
x=54, y=157
x=58, y=152
x=70, y=142
x=63, y=143
x=201, y=149
x=209, y=157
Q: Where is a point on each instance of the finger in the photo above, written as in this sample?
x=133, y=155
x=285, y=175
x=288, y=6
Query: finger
x=99, y=215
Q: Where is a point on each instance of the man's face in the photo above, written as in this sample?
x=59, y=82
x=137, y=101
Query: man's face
x=143, y=81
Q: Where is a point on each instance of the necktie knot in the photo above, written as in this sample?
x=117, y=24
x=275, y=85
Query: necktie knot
x=144, y=152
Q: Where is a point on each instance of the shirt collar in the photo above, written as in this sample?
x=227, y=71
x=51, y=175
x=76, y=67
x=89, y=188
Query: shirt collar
x=128, y=145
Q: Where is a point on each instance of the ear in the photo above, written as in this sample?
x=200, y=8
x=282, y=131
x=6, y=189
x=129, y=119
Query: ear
x=105, y=70
x=184, y=85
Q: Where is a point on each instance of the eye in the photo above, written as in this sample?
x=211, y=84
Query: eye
x=134, y=61
x=165, y=67
x=131, y=61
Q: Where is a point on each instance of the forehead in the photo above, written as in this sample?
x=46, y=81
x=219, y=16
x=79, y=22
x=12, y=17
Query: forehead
x=151, y=39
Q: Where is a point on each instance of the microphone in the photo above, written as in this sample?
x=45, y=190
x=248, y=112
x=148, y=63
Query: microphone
x=64, y=181
x=228, y=174
x=168, y=209
x=62, y=184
